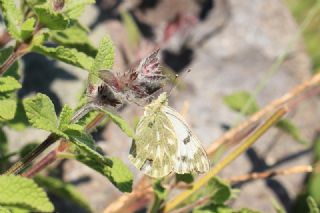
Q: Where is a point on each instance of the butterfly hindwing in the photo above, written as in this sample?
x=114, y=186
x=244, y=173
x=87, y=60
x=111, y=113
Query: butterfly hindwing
x=164, y=143
x=155, y=145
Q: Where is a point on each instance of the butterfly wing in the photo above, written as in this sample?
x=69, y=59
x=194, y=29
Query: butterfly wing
x=190, y=155
x=155, y=145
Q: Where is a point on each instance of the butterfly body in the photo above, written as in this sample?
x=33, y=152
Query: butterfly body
x=164, y=143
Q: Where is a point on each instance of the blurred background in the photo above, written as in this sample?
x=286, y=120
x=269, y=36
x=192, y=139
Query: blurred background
x=234, y=49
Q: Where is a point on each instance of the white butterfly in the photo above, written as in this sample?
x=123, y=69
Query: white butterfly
x=164, y=143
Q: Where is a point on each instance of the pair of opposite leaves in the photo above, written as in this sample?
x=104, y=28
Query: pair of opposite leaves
x=163, y=140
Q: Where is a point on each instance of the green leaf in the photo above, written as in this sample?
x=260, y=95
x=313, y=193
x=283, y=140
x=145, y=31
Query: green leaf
x=212, y=208
x=7, y=109
x=74, y=8
x=133, y=32
x=122, y=124
x=313, y=207
x=76, y=37
x=12, y=17
x=160, y=194
x=4, y=210
x=288, y=127
x=246, y=210
x=65, y=117
x=103, y=60
x=8, y=84
x=186, y=178
x=114, y=169
x=218, y=190
x=82, y=140
x=27, y=28
x=50, y=18
x=41, y=114
x=159, y=190
x=21, y=192
x=238, y=100
x=20, y=120
x=67, y=55
x=63, y=190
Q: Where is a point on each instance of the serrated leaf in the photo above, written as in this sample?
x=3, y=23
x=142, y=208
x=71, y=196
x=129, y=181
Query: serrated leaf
x=27, y=28
x=65, y=117
x=212, y=208
x=114, y=169
x=313, y=207
x=103, y=60
x=288, y=127
x=132, y=29
x=76, y=37
x=74, y=8
x=41, y=114
x=186, y=178
x=63, y=190
x=80, y=138
x=50, y=18
x=218, y=190
x=7, y=109
x=8, y=84
x=121, y=123
x=21, y=192
x=12, y=17
x=238, y=100
x=67, y=55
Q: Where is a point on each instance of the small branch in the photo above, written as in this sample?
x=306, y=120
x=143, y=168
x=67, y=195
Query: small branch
x=191, y=206
x=47, y=160
x=269, y=174
x=20, y=50
x=17, y=167
x=234, y=133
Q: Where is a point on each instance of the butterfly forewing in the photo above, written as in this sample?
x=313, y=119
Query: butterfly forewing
x=190, y=155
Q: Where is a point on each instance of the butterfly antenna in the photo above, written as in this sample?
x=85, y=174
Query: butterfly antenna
x=176, y=80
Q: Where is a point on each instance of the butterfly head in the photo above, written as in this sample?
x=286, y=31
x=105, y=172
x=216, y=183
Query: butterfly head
x=157, y=104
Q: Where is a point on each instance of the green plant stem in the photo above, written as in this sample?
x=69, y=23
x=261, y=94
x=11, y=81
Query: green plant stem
x=227, y=160
x=18, y=166
x=19, y=51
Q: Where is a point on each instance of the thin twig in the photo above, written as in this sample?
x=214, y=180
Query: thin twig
x=20, y=50
x=284, y=100
x=191, y=206
x=269, y=174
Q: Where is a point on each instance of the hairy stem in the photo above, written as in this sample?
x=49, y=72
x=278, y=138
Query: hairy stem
x=17, y=167
x=269, y=174
x=19, y=51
